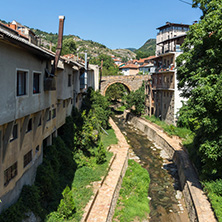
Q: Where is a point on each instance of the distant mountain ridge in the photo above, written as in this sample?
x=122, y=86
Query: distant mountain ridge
x=148, y=48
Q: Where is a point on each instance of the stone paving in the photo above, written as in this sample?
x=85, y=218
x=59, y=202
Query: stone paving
x=101, y=208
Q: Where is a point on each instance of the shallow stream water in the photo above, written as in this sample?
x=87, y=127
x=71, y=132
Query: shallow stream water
x=166, y=199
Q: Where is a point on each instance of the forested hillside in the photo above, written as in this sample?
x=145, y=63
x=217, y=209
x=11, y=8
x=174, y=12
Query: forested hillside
x=93, y=49
x=148, y=49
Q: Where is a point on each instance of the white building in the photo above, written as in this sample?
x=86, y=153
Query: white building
x=167, y=100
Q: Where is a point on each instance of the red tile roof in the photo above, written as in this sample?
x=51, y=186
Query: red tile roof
x=145, y=59
x=130, y=66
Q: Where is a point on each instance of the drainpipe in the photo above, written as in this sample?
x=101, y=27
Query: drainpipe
x=59, y=46
x=85, y=74
x=101, y=73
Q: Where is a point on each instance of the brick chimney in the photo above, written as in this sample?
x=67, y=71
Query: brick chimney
x=59, y=46
x=13, y=25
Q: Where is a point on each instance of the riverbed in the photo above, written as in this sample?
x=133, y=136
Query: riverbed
x=166, y=199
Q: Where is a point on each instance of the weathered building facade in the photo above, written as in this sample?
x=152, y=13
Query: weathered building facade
x=166, y=96
x=33, y=105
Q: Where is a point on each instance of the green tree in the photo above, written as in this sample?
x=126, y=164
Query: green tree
x=136, y=100
x=125, y=59
x=101, y=153
x=116, y=91
x=68, y=46
x=109, y=67
x=67, y=204
x=200, y=79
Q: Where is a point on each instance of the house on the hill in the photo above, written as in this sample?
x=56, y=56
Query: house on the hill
x=129, y=69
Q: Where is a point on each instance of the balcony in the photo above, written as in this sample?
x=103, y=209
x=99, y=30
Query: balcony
x=164, y=68
x=49, y=84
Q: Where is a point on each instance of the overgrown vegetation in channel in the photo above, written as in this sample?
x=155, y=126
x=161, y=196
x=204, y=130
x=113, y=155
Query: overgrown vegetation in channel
x=76, y=159
x=133, y=203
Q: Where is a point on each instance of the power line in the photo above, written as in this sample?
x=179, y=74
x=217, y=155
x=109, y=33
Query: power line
x=185, y=2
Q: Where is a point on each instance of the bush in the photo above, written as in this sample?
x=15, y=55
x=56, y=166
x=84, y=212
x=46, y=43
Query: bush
x=101, y=153
x=48, y=182
x=214, y=191
x=68, y=132
x=54, y=217
x=67, y=204
x=14, y=213
x=31, y=199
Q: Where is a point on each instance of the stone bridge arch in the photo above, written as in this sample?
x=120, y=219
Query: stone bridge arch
x=121, y=82
x=132, y=82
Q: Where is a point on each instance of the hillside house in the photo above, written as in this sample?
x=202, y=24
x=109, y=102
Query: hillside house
x=129, y=69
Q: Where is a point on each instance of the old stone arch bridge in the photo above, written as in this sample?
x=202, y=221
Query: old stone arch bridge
x=132, y=82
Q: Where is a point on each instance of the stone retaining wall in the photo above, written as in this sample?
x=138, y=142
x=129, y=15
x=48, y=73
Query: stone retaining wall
x=198, y=206
x=116, y=192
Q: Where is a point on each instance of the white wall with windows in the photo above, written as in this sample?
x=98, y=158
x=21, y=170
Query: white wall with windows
x=22, y=86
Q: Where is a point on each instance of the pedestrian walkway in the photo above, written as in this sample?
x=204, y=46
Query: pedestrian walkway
x=102, y=205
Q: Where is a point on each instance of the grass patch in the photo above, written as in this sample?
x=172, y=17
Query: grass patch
x=214, y=192
x=109, y=139
x=121, y=108
x=184, y=133
x=81, y=186
x=133, y=203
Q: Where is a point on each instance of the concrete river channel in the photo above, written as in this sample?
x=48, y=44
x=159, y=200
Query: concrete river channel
x=166, y=199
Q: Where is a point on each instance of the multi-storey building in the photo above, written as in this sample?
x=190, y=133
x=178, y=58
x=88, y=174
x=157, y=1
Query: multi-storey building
x=167, y=100
x=34, y=103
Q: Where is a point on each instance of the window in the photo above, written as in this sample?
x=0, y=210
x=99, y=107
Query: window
x=14, y=133
x=27, y=158
x=10, y=173
x=49, y=115
x=64, y=103
x=40, y=121
x=29, y=127
x=69, y=80
x=37, y=149
x=36, y=83
x=53, y=113
x=21, y=83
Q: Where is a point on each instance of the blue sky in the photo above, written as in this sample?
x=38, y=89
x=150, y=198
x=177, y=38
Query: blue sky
x=114, y=23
